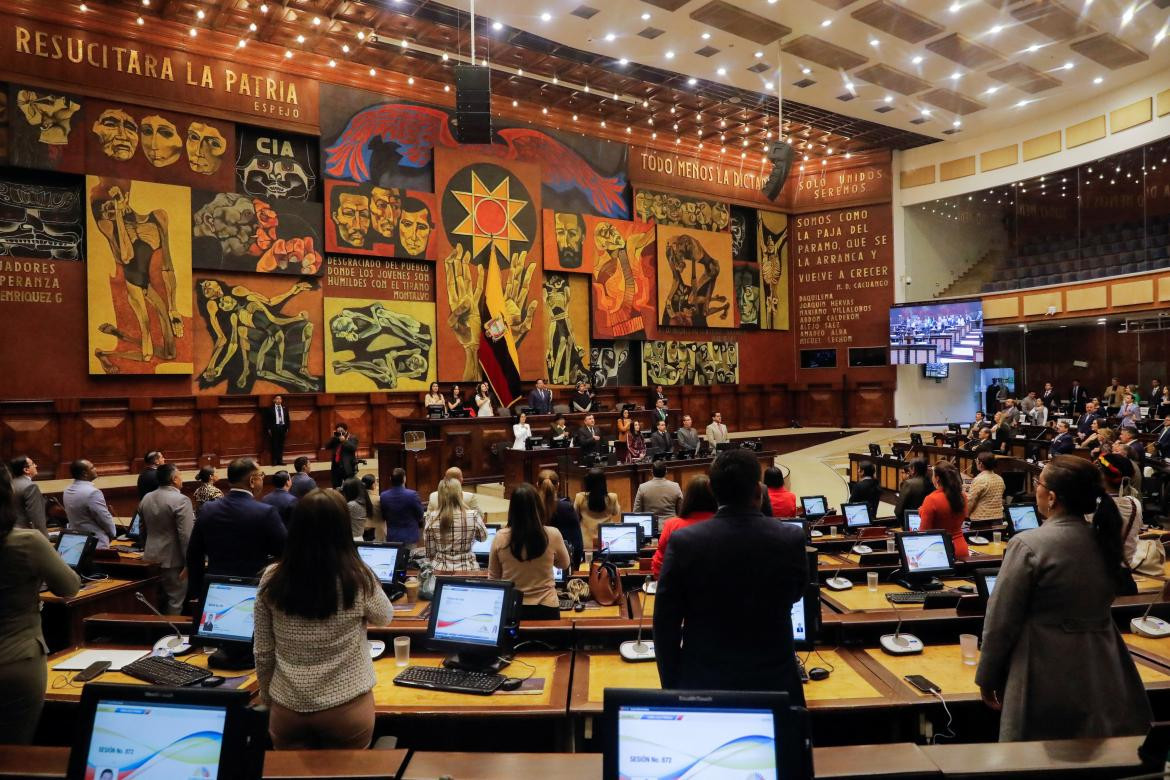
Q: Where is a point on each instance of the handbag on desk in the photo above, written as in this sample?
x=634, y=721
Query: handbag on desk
x=605, y=582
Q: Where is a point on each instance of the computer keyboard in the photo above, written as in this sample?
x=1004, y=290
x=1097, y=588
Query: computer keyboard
x=159, y=670
x=566, y=603
x=918, y=596
x=453, y=680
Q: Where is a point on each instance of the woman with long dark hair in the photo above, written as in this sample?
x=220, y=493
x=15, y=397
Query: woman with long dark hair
x=525, y=553
x=1053, y=661
x=361, y=508
x=635, y=444
x=595, y=505
x=434, y=396
x=311, y=612
x=698, y=504
x=946, y=508
x=559, y=513
x=26, y=560
x=623, y=422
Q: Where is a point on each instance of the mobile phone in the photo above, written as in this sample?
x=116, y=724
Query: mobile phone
x=93, y=670
x=922, y=684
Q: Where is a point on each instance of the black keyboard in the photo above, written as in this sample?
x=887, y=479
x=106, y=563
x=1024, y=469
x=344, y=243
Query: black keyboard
x=158, y=670
x=920, y=596
x=566, y=603
x=453, y=680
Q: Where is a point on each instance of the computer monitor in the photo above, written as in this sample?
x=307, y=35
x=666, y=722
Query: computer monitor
x=655, y=734
x=1022, y=517
x=475, y=620
x=483, y=549
x=795, y=523
x=646, y=520
x=535, y=443
x=137, y=730
x=723, y=445
x=806, y=618
x=76, y=549
x=620, y=541
x=136, y=533
x=912, y=521
x=628, y=407
x=226, y=611
x=875, y=450
x=916, y=439
x=985, y=582
x=925, y=555
x=856, y=515
x=685, y=454
x=814, y=506
x=954, y=428
x=385, y=560
x=435, y=411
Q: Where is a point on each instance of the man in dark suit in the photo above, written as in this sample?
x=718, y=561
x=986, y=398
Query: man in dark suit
x=281, y=496
x=1163, y=443
x=540, y=399
x=234, y=535
x=1085, y=425
x=401, y=509
x=302, y=480
x=587, y=438
x=912, y=491
x=1077, y=397
x=660, y=440
x=148, y=478
x=343, y=461
x=1062, y=443
x=710, y=632
x=1049, y=397
x=660, y=411
x=992, y=396
x=658, y=394
x=276, y=426
x=866, y=490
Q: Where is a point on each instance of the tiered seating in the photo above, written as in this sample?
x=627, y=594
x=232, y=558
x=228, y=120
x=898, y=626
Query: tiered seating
x=1113, y=251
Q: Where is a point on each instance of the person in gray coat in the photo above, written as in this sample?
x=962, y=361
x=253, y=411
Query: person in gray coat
x=1053, y=662
x=168, y=518
x=30, y=504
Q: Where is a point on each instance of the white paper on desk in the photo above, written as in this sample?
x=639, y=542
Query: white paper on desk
x=117, y=659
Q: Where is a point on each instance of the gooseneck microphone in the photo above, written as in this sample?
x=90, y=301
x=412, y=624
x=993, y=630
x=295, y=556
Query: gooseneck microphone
x=176, y=644
x=1150, y=627
x=898, y=643
x=638, y=650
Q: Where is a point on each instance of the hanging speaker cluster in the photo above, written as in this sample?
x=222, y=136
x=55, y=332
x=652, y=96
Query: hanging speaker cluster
x=781, y=155
x=473, y=104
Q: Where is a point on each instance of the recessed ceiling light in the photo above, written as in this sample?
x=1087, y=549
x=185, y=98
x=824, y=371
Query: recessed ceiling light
x=1035, y=47
x=992, y=90
x=806, y=71
x=192, y=32
x=670, y=55
x=345, y=48
x=692, y=81
x=287, y=54
x=957, y=123
x=996, y=29
x=645, y=17
x=758, y=55
x=917, y=59
x=769, y=86
x=546, y=17
x=888, y=98
x=199, y=14
x=497, y=26
x=316, y=21
x=955, y=8
x=706, y=36
x=544, y=111
x=1098, y=80
x=252, y=27
x=623, y=61
x=722, y=71
x=610, y=37
x=574, y=117
x=1127, y=17
x=1068, y=66
x=333, y=63
x=362, y=36
x=140, y=21
x=926, y=112
x=1022, y=103
x=956, y=76
x=826, y=23
x=874, y=42
x=300, y=39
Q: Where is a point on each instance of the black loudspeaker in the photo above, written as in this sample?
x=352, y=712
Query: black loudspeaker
x=781, y=154
x=473, y=104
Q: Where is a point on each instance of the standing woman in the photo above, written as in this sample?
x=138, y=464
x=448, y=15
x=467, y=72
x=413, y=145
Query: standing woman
x=525, y=553
x=595, y=505
x=434, y=397
x=582, y=400
x=946, y=508
x=455, y=400
x=1053, y=662
x=206, y=490
x=559, y=513
x=361, y=509
x=483, y=401
x=521, y=431
x=623, y=423
x=635, y=444
x=311, y=612
x=26, y=560
x=452, y=529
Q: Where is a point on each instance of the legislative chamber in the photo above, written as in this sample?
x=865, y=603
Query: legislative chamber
x=667, y=389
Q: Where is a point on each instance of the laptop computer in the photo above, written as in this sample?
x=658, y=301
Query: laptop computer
x=1022, y=517
x=483, y=549
x=912, y=521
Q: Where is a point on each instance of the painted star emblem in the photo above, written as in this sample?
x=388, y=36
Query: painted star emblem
x=489, y=219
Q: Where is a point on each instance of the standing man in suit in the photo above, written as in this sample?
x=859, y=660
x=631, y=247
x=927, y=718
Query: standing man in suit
x=168, y=518
x=281, y=496
x=716, y=431
x=1112, y=395
x=660, y=441
x=991, y=396
x=540, y=399
x=235, y=535
x=1077, y=397
x=402, y=511
x=276, y=426
x=1163, y=443
x=30, y=504
x=659, y=496
x=658, y=394
x=85, y=505
x=660, y=413
x=694, y=621
x=688, y=437
x=1063, y=443
x=1155, y=397
x=344, y=458
x=1049, y=396
x=1028, y=403
x=302, y=480
x=587, y=438
x=148, y=477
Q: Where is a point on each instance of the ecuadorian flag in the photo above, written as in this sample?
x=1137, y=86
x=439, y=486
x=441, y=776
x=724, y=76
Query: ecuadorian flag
x=497, y=350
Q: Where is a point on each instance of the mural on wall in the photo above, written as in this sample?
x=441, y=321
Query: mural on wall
x=39, y=221
x=772, y=250
x=276, y=165
x=614, y=363
x=695, y=285
x=151, y=145
x=4, y=116
x=46, y=129
x=233, y=232
x=489, y=283
x=368, y=219
x=258, y=334
x=381, y=324
x=690, y=363
x=566, y=304
x=138, y=266
x=746, y=267
x=364, y=139
x=622, y=257
x=668, y=208
x=564, y=242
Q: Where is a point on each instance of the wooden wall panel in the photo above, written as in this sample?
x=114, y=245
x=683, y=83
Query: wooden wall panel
x=105, y=438
x=819, y=405
x=33, y=432
x=871, y=407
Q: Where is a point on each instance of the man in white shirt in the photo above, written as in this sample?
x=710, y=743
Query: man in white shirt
x=85, y=505
x=716, y=431
x=470, y=499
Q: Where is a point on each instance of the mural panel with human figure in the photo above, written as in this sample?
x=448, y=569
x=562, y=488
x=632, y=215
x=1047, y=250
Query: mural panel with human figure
x=566, y=305
x=138, y=265
x=695, y=285
x=621, y=255
x=564, y=242
x=270, y=164
x=233, y=232
x=746, y=266
x=690, y=363
x=258, y=334
x=671, y=208
x=772, y=250
x=46, y=129
x=367, y=219
x=615, y=363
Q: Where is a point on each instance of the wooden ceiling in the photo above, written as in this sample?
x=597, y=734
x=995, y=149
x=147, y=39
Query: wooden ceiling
x=411, y=37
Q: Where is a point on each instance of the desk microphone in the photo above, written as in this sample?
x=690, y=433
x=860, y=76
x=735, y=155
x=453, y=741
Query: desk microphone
x=1151, y=627
x=638, y=651
x=837, y=582
x=176, y=644
x=898, y=643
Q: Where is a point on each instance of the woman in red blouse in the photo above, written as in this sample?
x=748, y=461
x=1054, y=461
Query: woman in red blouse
x=782, y=500
x=946, y=508
x=698, y=504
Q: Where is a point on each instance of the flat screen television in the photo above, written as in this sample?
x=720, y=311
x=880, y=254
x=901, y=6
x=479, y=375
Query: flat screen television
x=818, y=358
x=936, y=370
x=867, y=356
x=938, y=332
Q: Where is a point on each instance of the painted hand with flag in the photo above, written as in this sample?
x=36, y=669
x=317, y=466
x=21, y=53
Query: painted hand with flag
x=463, y=298
x=519, y=315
